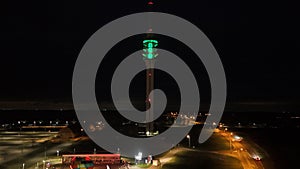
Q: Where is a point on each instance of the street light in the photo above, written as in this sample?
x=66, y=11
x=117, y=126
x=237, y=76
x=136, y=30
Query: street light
x=230, y=144
x=23, y=166
x=45, y=153
x=189, y=137
x=57, y=153
x=44, y=164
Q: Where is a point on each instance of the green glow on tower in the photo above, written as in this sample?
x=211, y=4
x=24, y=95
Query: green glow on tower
x=149, y=48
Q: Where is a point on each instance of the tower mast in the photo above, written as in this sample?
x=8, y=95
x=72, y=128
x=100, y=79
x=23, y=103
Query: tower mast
x=149, y=56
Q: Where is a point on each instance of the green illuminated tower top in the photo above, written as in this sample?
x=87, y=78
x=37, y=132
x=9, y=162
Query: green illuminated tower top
x=149, y=49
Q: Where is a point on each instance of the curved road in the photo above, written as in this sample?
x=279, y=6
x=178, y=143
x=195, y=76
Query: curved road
x=246, y=150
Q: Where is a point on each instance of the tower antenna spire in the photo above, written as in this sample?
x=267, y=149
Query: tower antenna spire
x=149, y=56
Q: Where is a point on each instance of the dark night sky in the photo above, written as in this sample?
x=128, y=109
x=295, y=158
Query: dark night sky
x=258, y=43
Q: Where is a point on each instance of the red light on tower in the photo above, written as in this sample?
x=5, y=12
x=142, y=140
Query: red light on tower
x=87, y=158
x=150, y=3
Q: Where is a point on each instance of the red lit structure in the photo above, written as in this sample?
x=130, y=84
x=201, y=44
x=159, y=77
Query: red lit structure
x=96, y=159
x=81, y=163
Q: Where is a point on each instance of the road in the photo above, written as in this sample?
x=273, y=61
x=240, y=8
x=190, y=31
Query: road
x=244, y=155
x=245, y=150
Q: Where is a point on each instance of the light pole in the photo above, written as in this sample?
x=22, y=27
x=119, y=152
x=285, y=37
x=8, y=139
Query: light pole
x=189, y=137
x=229, y=138
x=45, y=153
x=57, y=153
x=230, y=144
x=44, y=164
x=23, y=166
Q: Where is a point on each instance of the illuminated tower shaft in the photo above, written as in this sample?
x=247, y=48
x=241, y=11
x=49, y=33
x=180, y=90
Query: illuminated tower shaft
x=149, y=58
x=150, y=99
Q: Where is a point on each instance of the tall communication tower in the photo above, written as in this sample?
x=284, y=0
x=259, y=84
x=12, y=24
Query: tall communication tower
x=149, y=56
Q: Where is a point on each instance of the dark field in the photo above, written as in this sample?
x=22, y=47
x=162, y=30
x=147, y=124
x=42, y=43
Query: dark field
x=196, y=160
x=282, y=144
